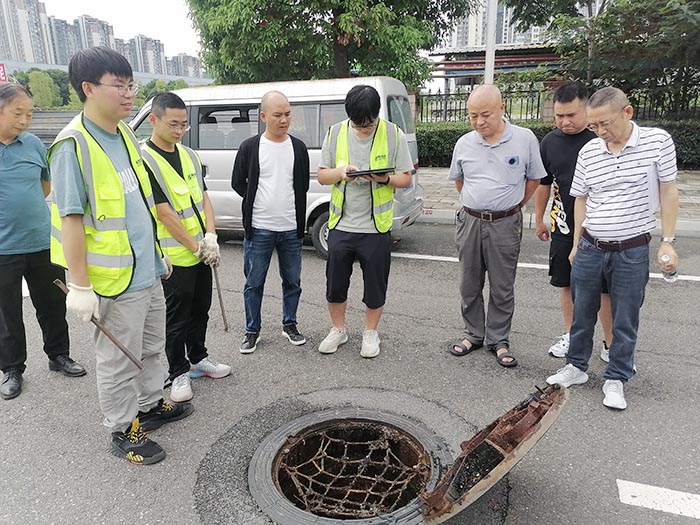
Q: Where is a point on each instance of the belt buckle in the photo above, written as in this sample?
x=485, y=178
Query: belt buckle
x=484, y=214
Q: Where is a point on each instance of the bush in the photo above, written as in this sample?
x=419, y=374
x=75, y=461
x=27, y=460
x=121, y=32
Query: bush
x=436, y=140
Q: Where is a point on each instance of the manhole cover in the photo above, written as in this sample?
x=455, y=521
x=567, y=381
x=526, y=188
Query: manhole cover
x=351, y=465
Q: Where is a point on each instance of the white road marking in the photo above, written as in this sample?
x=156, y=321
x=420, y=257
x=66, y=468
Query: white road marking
x=532, y=266
x=658, y=498
x=25, y=288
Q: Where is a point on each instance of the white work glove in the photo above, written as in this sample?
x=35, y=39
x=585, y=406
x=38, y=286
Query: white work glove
x=208, y=251
x=83, y=301
x=168, y=268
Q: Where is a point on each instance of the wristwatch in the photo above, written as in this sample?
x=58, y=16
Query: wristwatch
x=670, y=240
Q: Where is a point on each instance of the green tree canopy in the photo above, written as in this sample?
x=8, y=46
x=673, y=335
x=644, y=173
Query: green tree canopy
x=45, y=92
x=267, y=40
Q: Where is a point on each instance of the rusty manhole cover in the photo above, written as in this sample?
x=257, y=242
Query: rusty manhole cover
x=361, y=466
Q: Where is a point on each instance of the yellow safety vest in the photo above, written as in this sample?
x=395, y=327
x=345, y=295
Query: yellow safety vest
x=110, y=258
x=382, y=155
x=185, y=196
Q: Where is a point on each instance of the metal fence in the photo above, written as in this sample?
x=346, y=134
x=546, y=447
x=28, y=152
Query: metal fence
x=452, y=107
x=530, y=105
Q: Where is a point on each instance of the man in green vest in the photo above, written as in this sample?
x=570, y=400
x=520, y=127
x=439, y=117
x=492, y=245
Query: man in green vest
x=187, y=235
x=103, y=230
x=361, y=210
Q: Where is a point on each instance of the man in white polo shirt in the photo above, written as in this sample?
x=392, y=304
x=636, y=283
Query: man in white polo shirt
x=271, y=173
x=621, y=179
x=495, y=168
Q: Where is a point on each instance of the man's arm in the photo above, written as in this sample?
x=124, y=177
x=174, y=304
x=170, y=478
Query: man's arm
x=239, y=177
x=74, y=248
x=579, y=216
x=172, y=223
x=541, y=199
x=530, y=187
x=668, y=198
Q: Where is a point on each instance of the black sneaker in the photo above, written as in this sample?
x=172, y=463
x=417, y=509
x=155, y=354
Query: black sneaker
x=164, y=413
x=250, y=343
x=135, y=446
x=290, y=330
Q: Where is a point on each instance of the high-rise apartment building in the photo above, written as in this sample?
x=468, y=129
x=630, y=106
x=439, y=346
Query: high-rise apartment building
x=65, y=39
x=150, y=55
x=20, y=25
x=183, y=65
x=94, y=32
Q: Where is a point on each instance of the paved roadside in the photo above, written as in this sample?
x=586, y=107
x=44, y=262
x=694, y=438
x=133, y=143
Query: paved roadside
x=440, y=201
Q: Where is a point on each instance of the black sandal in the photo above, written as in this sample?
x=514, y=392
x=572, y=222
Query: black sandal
x=463, y=349
x=501, y=358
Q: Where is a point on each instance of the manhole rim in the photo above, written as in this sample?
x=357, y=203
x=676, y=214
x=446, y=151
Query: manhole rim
x=282, y=511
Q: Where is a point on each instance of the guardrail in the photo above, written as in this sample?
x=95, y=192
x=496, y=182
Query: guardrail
x=46, y=124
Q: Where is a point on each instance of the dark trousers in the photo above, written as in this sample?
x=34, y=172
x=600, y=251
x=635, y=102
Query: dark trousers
x=188, y=299
x=48, y=300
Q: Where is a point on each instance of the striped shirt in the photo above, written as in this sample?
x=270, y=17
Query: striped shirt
x=623, y=188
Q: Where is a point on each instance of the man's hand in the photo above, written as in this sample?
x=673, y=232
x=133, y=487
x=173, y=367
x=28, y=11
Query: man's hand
x=168, y=268
x=666, y=248
x=572, y=254
x=83, y=301
x=208, y=251
x=541, y=231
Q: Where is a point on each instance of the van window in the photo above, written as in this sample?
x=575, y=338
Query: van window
x=331, y=114
x=226, y=128
x=400, y=113
x=305, y=124
x=144, y=130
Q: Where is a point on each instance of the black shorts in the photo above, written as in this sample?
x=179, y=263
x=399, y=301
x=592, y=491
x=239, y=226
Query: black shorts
x=373, y=251
x=559, y=265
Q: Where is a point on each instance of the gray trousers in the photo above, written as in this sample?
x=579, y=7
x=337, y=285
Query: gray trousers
x=137, y=319
x=493, y=247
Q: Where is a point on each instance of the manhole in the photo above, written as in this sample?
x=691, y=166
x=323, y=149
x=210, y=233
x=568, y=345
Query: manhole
x=361, y=466
x=349, y=465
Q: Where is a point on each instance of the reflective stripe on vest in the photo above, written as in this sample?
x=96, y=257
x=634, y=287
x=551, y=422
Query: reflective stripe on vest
x=382, y=155
x=110, y=259
x=185, y=196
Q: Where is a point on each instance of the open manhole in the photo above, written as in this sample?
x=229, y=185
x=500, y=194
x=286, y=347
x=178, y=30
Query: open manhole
x=361, y=466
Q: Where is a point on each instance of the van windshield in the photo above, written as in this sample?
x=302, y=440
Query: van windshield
x=400, y=113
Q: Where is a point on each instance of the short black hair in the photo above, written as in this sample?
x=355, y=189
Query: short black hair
x=167, y=100
x=88, y=65
x=571, y=91
x=362, y=104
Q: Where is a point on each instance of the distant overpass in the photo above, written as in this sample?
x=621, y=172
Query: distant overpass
x=11, y=67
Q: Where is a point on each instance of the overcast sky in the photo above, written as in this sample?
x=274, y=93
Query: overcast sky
x=164, y=20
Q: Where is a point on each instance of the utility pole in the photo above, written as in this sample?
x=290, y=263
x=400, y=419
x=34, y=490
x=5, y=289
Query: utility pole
x=491, y=11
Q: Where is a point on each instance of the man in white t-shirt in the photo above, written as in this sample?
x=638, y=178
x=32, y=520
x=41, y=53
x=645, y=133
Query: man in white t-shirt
x=271, y=173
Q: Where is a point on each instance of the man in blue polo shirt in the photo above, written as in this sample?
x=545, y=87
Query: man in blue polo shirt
x=24, y=246
x=495, y=168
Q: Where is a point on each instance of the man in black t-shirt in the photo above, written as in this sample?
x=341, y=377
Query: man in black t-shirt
x=559, y=150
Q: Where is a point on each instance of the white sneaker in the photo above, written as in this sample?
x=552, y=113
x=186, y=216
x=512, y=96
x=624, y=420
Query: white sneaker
x=370, y=344
x=605, y=353
x=333, y=340
x=181, y=389
x=614, y=394
x=567, y=376
x=210, y=368
x=561, y=347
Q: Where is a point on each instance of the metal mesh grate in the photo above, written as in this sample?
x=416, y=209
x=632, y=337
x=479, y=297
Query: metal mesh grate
x=352, y=470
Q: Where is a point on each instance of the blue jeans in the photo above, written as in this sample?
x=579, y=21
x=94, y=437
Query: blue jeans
x=257, y=252
x=626, y=274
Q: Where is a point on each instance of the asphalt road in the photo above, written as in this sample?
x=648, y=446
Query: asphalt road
x=56, y=466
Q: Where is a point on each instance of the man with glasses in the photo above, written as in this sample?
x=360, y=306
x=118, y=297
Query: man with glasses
x=559, y=150
x=271, y=174
x=496, y=168
x=103, y=220
x=361, y=210
x=187, y=235
x=621, y=178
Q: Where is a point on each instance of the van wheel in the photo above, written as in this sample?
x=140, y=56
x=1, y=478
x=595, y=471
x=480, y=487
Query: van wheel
x=319, y=234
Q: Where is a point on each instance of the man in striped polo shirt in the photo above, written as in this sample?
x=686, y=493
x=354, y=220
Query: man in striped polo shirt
x=621, y=179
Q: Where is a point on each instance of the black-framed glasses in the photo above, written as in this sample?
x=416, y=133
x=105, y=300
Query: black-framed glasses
x=122, y=89
x=174, y=127
x=606, y=123
x=369, y=125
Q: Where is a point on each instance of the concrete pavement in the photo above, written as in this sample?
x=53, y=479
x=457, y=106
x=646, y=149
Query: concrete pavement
x=441, y=203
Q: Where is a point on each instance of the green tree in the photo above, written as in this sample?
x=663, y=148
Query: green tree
x=652, y=45
x=60, y=78
x=45, y=92
x=266, y=40
x=177, y=84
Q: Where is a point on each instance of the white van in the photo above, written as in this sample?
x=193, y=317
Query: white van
x=221, y=117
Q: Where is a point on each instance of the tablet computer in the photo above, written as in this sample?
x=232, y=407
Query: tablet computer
x=380, y=171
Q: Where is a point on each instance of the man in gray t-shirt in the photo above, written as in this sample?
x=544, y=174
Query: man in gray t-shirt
x=361, y=210
x=495, y=168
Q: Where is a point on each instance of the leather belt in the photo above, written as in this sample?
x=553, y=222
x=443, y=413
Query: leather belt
x=617, y=246
x=492, y=215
